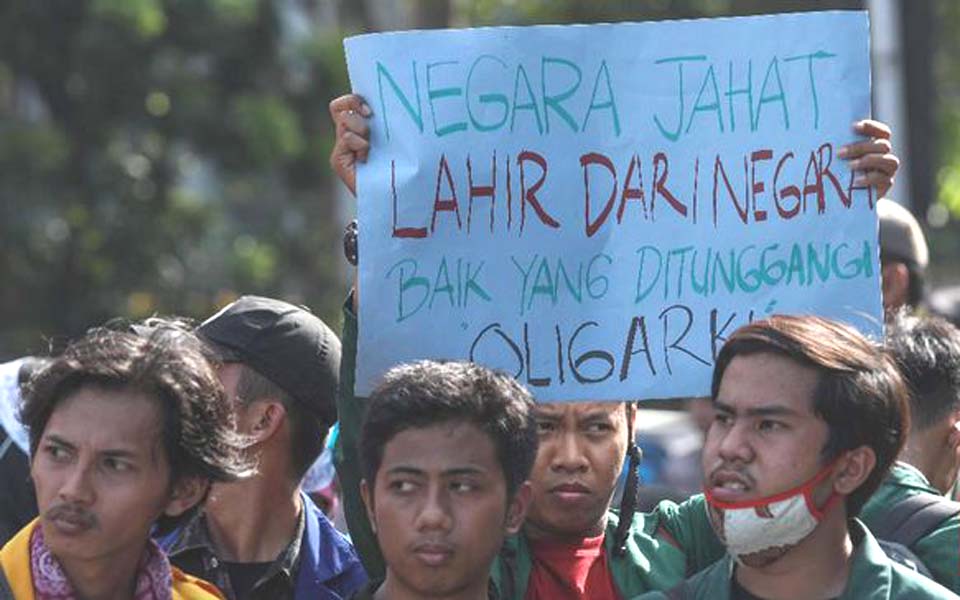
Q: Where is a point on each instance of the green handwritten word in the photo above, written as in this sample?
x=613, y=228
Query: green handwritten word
x=452, y=286
x=486, y=94
x=675, y=272
x=546, y=279
x=740, y=92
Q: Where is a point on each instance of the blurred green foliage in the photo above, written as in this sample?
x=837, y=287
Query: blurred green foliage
x=163, y=156
x=947, y=67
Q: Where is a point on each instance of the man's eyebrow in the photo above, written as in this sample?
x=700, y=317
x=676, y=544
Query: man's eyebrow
x=540, y=414
x=468, y=470
x=405, y=470
x=766, y=410
x=52, y=437
x=119, y=453
x=595, y=415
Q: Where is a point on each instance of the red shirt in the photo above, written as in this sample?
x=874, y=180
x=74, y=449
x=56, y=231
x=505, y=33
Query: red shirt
x=570, y=571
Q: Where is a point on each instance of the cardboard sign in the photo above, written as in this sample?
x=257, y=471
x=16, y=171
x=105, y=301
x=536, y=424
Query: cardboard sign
x=594, y=209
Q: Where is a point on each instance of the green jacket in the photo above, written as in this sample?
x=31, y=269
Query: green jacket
x=872, y=577
x=940, y=549
x=651, y=561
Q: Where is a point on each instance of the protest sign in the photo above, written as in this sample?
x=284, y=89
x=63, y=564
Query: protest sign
x=595, y=208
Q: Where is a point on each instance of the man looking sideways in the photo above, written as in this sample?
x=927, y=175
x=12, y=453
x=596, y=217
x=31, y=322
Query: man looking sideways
x=571, y=546
x=262, y=538
x=447, y=449
x=126, y=431
x=809, y=417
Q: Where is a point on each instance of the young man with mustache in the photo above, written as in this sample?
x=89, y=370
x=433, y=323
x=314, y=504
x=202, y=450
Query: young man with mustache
x=809, y=417
x=126, y=432
x=446, y=450
x=571, y=546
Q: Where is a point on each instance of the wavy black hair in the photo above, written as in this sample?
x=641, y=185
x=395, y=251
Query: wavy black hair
x=164, y=363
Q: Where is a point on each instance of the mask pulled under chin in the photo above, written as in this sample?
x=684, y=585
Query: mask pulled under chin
x=781, y=520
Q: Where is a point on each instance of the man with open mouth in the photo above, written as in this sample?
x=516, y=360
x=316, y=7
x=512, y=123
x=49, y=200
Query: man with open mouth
x=809, y=417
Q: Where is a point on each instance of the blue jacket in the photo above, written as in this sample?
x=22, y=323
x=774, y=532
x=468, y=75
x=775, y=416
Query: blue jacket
x=319, y=565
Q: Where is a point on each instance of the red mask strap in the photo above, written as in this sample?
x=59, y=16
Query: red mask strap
x=804, y=488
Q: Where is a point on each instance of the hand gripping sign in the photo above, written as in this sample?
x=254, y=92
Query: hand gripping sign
x=595, y=208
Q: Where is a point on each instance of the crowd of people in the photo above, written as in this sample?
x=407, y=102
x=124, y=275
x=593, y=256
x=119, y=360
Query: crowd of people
x=164, y=459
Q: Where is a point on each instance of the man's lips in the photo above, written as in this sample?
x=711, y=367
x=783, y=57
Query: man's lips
x=69, y=520
x=434, y=554
x=570, y=491
x=728, y=485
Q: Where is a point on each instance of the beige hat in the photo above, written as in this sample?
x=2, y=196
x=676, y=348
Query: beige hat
x=900, y=235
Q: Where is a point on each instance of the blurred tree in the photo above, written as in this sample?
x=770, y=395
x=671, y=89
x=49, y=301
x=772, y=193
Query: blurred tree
x=162, y=156
x=167, y=155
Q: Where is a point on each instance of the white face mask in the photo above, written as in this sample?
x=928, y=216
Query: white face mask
x=781, y=520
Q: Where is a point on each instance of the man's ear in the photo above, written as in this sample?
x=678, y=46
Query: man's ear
x=367, y=497
x=894, y=284
x=517, y=510
x=187, y=493
x=265, y=418
x=853, y=470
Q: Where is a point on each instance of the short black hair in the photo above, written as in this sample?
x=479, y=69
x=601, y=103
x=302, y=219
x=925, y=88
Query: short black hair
x=426, y=393
x=168, y=365
x=927, y=352
x=307, y=432
x=860, y=393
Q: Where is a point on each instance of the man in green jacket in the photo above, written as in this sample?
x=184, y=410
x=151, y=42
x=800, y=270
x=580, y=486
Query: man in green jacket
x=571, y=544
x=927, y=352
x=810, y=416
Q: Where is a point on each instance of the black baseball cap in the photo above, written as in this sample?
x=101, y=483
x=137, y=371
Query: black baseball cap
x=287, y=344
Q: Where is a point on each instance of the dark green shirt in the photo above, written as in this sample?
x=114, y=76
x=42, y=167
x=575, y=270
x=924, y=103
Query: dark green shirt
x=873, y=576
x=940, y=549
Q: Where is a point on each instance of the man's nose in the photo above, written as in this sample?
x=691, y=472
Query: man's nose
x=569, y=455
x=735, y=443
x=435, y=513
x=77, y=485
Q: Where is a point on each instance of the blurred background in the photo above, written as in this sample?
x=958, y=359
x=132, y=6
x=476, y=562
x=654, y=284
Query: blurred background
x=165, y=156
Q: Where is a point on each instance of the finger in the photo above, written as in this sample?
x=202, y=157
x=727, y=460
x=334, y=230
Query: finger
x=354, y=123
x=347, y=103
x=356, y=145
x=881, y=181
x=872, y=128
x=342, y=165
x=858, y=149
x=886, y=163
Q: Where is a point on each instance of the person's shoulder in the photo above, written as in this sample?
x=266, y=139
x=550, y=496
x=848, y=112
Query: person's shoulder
x=907, y=584
x=712, y=583
x=329, y=536
x=188, y=587
x=331, y=556
x=874, y=575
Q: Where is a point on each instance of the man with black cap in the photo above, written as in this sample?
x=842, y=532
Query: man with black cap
x=261, y=537
x=903, y=256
